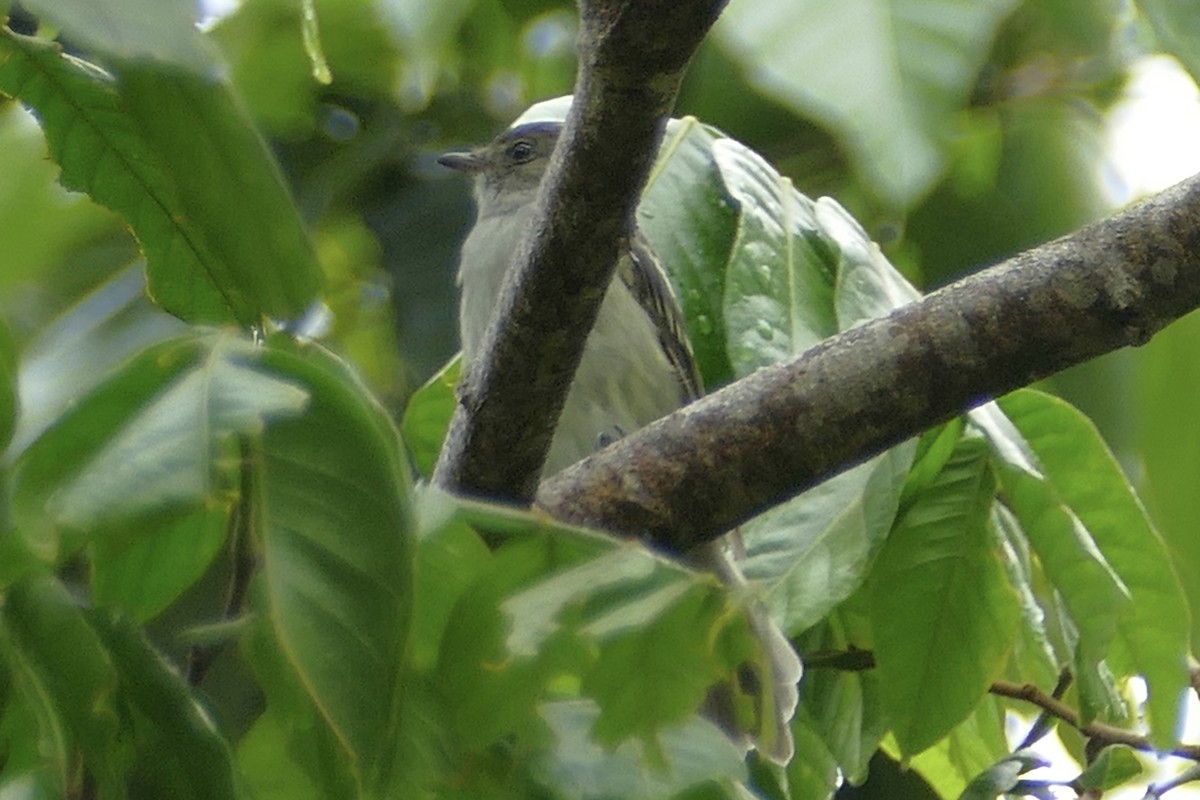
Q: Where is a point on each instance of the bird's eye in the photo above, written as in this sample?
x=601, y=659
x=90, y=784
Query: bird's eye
x=520, y=151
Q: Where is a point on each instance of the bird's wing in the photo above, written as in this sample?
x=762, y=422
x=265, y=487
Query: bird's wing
x=643, y=275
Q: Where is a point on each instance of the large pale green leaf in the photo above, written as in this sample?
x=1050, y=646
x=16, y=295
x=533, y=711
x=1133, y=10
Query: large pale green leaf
x=886, y=76
x=1085, y=475
x=337, y=526
x=164, y=150
x=779, y=287
x=1093, y=595
x=942, y=612
x=800, y=271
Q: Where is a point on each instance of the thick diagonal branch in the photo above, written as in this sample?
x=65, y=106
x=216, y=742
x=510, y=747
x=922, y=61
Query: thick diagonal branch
x=632, y=56
x=699, y=472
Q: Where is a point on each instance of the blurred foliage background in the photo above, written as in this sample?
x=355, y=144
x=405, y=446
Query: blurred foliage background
x=958, y=131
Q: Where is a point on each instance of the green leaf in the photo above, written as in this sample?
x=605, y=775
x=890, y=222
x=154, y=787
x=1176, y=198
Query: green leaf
x=1114, y=766
x=1094, y=596
x=934, y=449
x=185, y=753
x=695, y=751
x=336, y=522
x=162, y=31
x=667, y=643
x=688, y=220
x=427, y=416
x=972, y=747
x=8, y=386
x=843, y=707
x=1002, y=776
x=143, y=574
x=148, y=442
x=813, y=771
x=886, y=76
x=56, y=655
x=1178, y=29
x=450, y=557
x=38, y=756
x=1035, y=655
x=257, y=255
x=138, y=148
x=943, y=614
x=868, y=286
x=271, y=767
x=1085, y=475
x=813, y=552
x=779, y=285
x=83, y=346
x=1167, y=381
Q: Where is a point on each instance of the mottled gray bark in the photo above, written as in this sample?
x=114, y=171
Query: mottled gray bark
x=735, y=453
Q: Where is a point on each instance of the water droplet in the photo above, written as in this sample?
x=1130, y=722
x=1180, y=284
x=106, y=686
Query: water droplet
x=764, y=272
x=765, y=330
x=704, y=325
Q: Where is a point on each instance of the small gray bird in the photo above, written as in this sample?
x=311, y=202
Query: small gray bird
x=636, y=366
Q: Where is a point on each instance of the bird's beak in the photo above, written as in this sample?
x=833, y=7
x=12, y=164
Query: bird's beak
x=462, y=162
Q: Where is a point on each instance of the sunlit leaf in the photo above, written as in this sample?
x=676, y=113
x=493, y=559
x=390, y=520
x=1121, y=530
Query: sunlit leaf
x=1091, y=592
x=1085, y=475
x=942, y=611
x=972, y=747
x=1112, y=767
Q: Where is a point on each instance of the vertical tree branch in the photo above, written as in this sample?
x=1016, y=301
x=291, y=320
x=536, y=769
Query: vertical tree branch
x=632, y=56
